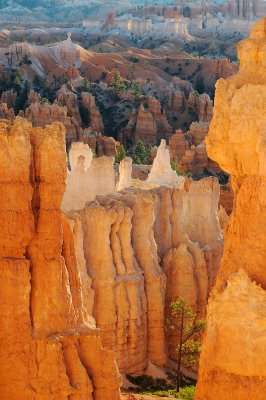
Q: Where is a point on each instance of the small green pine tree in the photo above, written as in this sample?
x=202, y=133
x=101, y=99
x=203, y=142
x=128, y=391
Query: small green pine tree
x=187, y=329
x=120, y=155
x=137, y=92
x=117, y=85
x=141, y=154
x=132, y=73
x=85, y=85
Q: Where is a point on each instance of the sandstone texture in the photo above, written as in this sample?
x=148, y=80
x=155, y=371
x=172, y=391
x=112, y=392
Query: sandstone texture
x=134, y=244
x=125, y=174
x=189, y=150
x=95, y=118
x=100, y=145
x=50, y=347
x=148, y=125
x=87, y=177
x=233, y=357
x=41, y=114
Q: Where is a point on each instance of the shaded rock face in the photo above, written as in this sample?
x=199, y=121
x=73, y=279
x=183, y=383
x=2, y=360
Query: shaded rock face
x=205, y=108
x=148, y=125
x=66, y=109
x=135, y=242
x=96, y=122
x=68, y=99
x=6, y=113
x=9, y=97
x=100, y=145
x=190, y=151
x=233, y=356
x=42, y=114
x=50, y=346
x=226, y=198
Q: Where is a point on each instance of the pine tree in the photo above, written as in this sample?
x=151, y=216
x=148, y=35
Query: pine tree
x=120, y=155
x=85, y=85
x=137, y=92
x=117, y=85
x=132, y=73
x=141, y=154
x=183, y=324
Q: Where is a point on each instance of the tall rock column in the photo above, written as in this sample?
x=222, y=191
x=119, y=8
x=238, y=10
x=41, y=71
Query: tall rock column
x=232, y=365
x=50, y=348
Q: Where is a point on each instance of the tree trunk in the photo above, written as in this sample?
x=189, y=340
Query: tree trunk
x=178, y=380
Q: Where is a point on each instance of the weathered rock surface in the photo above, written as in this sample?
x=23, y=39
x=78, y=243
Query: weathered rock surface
x=132, y=241
x=100, y=145
x=205, y=108
x=148, y=125
x=68, y=99
x=161, y=173
x=95, y=118
x=233, y=358
x=190, y=151
x=42, y=114
x=6, y=113
x=50, y=346
x=87, y=178
x=125, y=173
x=9, y=97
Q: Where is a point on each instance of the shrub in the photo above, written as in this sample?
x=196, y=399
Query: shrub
x=187, y=393
x=175, y=167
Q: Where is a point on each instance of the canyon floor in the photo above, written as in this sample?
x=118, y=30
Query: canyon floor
x=130, y=396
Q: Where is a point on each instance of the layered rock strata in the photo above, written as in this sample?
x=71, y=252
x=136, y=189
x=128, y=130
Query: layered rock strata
x=135, y=242
x=233, y=357
x=190, y=151
x=95, y=118
x=148, y=125
x=100, y=145
x=50, y=346
x=42, y=114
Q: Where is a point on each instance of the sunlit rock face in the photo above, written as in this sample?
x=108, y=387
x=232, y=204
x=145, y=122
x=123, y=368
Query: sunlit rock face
x=50, y=347
x=161, y=173
x=233, y=358
x=143, y=249
x=87, y=177
x=125, y=173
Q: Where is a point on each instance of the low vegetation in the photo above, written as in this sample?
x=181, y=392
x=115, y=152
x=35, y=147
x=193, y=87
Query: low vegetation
x=147, y=385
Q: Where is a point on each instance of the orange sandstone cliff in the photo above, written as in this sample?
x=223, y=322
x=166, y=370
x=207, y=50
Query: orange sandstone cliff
x=232, y=365
x=50, y=348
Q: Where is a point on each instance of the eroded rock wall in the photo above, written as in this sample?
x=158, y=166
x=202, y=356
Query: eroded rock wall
x=136, y=242
x=50, y=347
x=233, y=357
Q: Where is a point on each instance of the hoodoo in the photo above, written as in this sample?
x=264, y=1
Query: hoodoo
x=233, y=358
x=50, y=347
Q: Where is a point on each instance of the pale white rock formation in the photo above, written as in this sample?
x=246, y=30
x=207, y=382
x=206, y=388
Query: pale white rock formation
x=78, y=152
x=69, y=51
x=161, y=173
x=87, y=178
x=125, y=173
